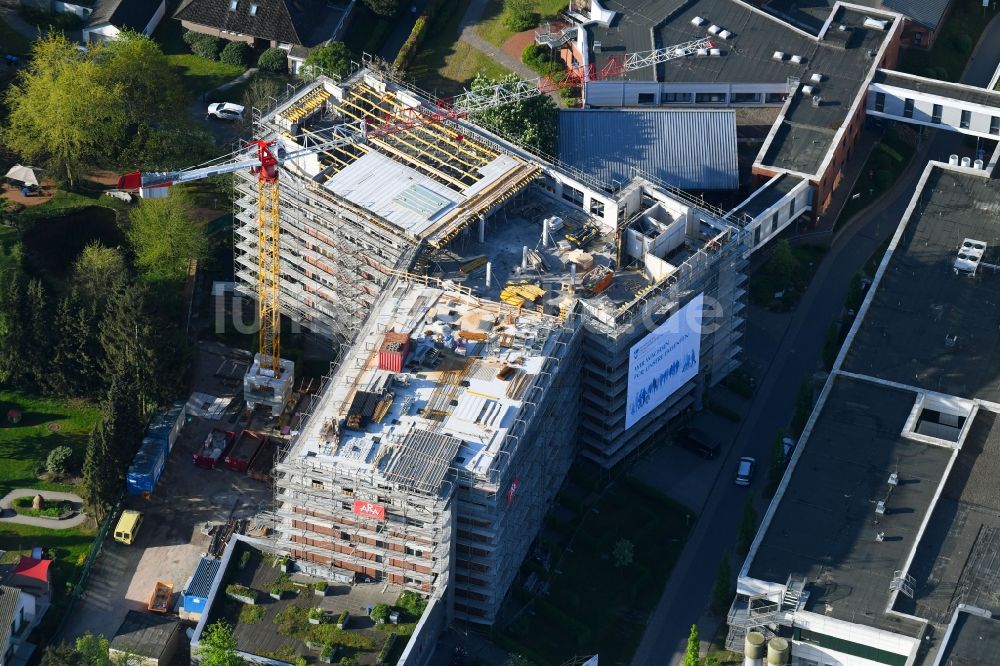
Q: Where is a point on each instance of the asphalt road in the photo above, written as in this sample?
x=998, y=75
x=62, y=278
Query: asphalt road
x=796, y=354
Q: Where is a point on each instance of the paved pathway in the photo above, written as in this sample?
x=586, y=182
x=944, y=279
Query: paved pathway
x=50, y=523
x=470, y=37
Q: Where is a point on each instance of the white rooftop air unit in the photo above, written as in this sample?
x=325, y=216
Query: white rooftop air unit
x=894, y=479
x=842, y=28
x=702, y=52
x=778, y=55
x=797, y=59
x=970, y=254
x=714, y=29
x=816, y=77
x=807, y=90
x=817, y=100
x=715, y=53
x=725, y=34
x=698, y=21
x=875, y=23
x=880, y=507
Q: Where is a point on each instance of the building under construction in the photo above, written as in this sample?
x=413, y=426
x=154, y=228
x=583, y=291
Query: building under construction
x=493, y=310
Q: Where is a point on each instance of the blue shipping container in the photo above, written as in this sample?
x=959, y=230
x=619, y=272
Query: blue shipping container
x=146, y=468
x=166, y=424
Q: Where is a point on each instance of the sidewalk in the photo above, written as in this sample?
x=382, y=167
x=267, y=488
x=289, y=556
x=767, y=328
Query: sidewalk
x=469, y=36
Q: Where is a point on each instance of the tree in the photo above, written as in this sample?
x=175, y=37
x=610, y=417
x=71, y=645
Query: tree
x=150, y=88
x=127, y=339
x=777, y=467
x=94, y=649
x=691, y=656
x=519, y=15
x=783, y=264
x=748, y=527
x=99, y=487
x=47, y=122
x=623, y=553
x=14, y=329
x=58, y=463
x=331, y=59
x=529, y=122
x=722, y=591
x=273, y=60
x=712, y=660
x=260, y=92
x=76, y=351
x=383, y=7
x=166, y=238
x=62, y=655
x=803, y=407
x=218, y=646
x=412, y=603
x=97, y=270
x=39, y=331
x=235, y=53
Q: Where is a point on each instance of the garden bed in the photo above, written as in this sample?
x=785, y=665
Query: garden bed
x=54, y=509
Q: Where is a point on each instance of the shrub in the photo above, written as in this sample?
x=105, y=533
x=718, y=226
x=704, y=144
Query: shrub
x=317, y=614
x=320, y=586
x=244, y=559
x=411, y=603
x=273, y=60
x=342, y=620
x=235, y=53
x=348, y=661
x=301, y=661
x=380, y=613
x=519, y=15
x=58, y=462
x=251, y=614
x=50, y=509
x=383, y=654
x=963, y=43
x=204, y=46
x=237, y=590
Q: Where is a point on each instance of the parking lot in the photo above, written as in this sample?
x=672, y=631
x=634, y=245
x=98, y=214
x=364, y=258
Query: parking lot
x=171, y=539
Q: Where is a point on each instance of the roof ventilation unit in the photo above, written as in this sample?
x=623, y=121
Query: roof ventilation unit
x=953, y=160
x=725, y=34
x=894, y=479
x=698, y=21
x=714, y=29
x=969, y=256
x=978, y=164
x=715, y=53
x=880, y=536
x=875, y=23
x=816, y=77
x=598, y=47
x=817, y=100
x=807, y=90
x=966, y=161
x=880, y=507
x=778, y=55
x=797, y=59
x=842, y=28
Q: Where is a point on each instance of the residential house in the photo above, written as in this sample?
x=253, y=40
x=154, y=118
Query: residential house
x=293, y=25
x=110, y=17
x=17, y=614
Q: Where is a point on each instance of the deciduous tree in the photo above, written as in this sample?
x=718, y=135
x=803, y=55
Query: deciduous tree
x=332, y=59
x=383, y=7
x=529, y=122
x=62, y=111
x=218, y=646
x=97, y=270
x=722, y=594
x=150, y=88
x=166, y=238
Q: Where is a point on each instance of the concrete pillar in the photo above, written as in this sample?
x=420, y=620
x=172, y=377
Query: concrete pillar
x=482, y=230
x=777, y=652
x=489, y=274
x=753, y=649
x=545, y=232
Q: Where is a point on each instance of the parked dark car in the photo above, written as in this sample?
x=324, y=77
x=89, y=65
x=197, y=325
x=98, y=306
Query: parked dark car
x=697, y=441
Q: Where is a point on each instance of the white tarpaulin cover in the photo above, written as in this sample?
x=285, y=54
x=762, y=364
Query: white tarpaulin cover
x=23, y=174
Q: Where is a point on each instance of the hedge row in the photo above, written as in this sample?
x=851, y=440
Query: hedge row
x=412, y=43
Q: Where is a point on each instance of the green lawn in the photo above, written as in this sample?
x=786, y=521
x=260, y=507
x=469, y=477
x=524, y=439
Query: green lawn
x=594, y=606
x=445, y=64
x=785, y=274
x=946, y=60
x=45, y=425
x=491, y=26
x=889, y=159
x=201, y=75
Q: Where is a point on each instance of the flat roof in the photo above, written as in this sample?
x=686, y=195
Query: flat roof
x=960, y=550
x=973, y=94
x=769, y=194
x=145, y=634
x=974, y=640
x=926, y=326
x=843, y=58
x=690, y=149
x=825, y=525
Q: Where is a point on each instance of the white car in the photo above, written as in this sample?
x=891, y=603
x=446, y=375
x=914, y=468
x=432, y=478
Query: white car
x=744, y=473
x=225, y=111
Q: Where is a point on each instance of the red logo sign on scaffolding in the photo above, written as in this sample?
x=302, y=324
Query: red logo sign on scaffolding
x=369, y=509
x=513, y=489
